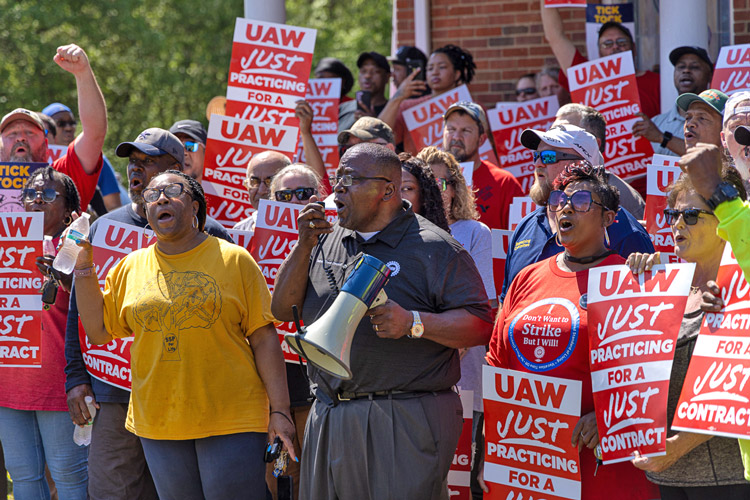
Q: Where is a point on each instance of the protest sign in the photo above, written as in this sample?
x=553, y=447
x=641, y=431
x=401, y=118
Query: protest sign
x=323, y=95
x=564, y=3
x=55, y=152
x=231, y=144
x=241, y=238
x=633, y=328
x=520, y=207
x=269, y=70
x=597, y=14
x=459, y=475
x=662, y=173
x=524, y=460
x=507, y=121
x=21, y=236
x=715, y=397
x=425, y=120
x=608, y=85
x=732, y=70
x=500, y=243
x=467, y=169
x=13, y=178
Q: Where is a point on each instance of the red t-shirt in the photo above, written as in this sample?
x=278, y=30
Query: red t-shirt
x=70, y=165
x=543, y=290
x=649, y=87
x=494, y=190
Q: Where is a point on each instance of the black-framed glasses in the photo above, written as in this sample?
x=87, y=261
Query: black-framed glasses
x=527, y=91
x=301, y=194
x=621, y=43
x=346, y=180
x=48, y=194
x=443, y=183
x=549, y=157
x=173, y=190
x=689, y=215
x=581, y=201
x=66, y=123
x=254, y=182
x=191, y=146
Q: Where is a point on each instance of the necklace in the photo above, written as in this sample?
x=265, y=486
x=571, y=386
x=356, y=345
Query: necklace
x=586, y=260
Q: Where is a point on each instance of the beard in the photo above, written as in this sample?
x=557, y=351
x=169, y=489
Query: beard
x=539, y=192
x=743, y=166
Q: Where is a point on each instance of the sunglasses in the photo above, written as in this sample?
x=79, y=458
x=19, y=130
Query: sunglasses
x=254, y=182
x=173, y=190
x=580, y=200
x=527, y=91
x=444, y=183
x=689, y=215
x=192, y=146
x=66, y=123
x=621, y=43
x=549, y=157
x=346, y=180
x=48, y=195
x=301, y=194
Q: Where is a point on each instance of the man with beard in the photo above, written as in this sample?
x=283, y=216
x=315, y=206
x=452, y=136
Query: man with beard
x=394, y=426
x=465, y=129
x=117, y=466
x=693, y=71
x=534, y=238
x=23, y=138
x=736, y=114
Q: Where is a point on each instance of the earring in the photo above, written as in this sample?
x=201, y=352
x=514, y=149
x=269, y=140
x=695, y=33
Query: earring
x=195, y=222
x=606, y=238
x=68, y=220
x=557, y=239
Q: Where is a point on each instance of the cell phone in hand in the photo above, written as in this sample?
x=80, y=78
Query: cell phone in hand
x=364, y=98
x=411, y=65
x=285, y=487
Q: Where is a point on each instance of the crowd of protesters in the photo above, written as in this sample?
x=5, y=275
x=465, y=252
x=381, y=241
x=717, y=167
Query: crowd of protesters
x=211, y=392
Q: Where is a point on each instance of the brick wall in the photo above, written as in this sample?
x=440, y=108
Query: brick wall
x=741, y=15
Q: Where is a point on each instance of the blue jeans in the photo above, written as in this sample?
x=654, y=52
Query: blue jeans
x=31, y=438
x=216, y=467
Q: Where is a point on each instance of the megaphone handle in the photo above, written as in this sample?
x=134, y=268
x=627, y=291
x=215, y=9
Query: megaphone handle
x=380, y=299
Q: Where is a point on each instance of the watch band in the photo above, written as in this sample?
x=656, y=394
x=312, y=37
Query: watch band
x=417, y=328
x=666, y=137
x=724, y=191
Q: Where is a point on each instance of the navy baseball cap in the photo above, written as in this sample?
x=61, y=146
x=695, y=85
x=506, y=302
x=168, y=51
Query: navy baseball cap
x=154, y=142
x=192, y=128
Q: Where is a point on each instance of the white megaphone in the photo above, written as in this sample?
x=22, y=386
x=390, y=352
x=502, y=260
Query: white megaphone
x=327, y=343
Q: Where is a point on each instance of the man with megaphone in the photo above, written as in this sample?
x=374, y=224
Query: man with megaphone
x=388, y=426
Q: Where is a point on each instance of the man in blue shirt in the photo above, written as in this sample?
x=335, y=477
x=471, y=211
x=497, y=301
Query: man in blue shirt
x=534, y=237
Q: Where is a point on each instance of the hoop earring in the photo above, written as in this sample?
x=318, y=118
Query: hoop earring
x=557, y=239
x=195, y=222
x=606, y=239
x=68, y=220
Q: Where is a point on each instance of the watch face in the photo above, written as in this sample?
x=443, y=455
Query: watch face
x=417, y=330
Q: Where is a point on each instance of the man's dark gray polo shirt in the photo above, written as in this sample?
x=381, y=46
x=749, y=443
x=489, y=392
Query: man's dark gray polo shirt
x=431, y=272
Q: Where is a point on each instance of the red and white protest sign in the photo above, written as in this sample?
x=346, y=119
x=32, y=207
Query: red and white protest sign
x=323, y=95
x=732, y=70
x=55, y=152
x=520, y=207
x=500, y=245
x=507, y=121
x=715, y=397
x=425, y=120
x=523, y=460
x=633, y=326
x=662, y=173
x=21, y=236
x=269, y=70
x=231, y=144
x=459, y=475
x=564, y=3
x=608, y=85
x=241, y=238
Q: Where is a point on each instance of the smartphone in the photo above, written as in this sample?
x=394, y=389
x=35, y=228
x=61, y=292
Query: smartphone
x=285, y=487
x=364, y=97
x=411, y=65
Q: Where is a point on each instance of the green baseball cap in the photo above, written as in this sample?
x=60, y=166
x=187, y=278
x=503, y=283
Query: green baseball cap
x=716, y=99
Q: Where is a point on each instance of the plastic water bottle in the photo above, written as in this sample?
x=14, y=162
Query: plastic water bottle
x=82, y=435
x=66, y=257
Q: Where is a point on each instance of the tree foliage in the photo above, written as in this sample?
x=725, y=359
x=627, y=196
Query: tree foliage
x=157, y=61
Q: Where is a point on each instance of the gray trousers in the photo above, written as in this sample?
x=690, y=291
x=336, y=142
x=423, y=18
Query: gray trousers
x=381, y=449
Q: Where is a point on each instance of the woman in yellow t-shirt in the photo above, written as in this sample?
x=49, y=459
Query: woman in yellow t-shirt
x=206, y=360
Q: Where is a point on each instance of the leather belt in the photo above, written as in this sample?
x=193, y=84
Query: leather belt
x=394, y=394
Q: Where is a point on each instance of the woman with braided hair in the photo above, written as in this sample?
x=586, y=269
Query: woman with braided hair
x=419, y=187
x=447, y=68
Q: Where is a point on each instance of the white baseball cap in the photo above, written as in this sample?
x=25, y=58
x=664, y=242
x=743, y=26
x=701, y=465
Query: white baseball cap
x=568, y=137
x=732, y=108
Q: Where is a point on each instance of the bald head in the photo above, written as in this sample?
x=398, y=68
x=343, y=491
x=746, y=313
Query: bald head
x=260, y=171
x=376, y=158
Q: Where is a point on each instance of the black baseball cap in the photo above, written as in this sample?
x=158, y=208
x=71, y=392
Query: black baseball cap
x=192, y=128
x=154, y=142
x=379, y=60
x=675, y=55
x=338, y=68
x=407, y=52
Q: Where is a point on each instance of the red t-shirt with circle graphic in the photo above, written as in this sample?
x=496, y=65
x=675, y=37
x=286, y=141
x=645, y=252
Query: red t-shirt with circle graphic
x=543, y=329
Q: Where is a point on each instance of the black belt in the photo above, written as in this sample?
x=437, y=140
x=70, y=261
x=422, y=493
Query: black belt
x=348, y=396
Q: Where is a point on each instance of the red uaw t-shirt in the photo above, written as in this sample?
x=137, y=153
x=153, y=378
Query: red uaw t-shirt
x=494, y=190
x=543, y=329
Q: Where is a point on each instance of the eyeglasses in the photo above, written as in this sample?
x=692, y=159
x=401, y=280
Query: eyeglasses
x=173, y=190
x=444, y=183
x=66, y=123
x=192, y=146
x=254, y=182
x=689, y=215
x=580, y=200
x=301, y=194
x=621, y=43
x=346, y=179
x=48, y=195
x=527, y=91
x=549, y=157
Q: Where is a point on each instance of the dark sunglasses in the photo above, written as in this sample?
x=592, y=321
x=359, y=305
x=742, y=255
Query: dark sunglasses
x=580, y=200
x=527, y=91
x=444, y=183
x=48, y=195
x=549, y=157
x=66, y=123
x=192, y=146
x=689, y=215
x=301, y=194
x=173, y=190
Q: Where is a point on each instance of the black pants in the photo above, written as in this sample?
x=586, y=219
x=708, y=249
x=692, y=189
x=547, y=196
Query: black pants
x=730, y=492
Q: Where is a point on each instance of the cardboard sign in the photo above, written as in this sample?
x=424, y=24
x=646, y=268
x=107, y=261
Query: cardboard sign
x=459, y=475
x=231, y=144
x=564, y=3
x=524, y=460
x=633, y=328
x=500, y=245
x=21, y=236
x=507, y=121
x=323, y=95
x=520, y=208
x=55, y=152
x=269, y=70
x=608, y=84
x=662, y=173
x=425, y=120
x=597, y=14
x=732, y=70
x=715, y=398
x=13, y=178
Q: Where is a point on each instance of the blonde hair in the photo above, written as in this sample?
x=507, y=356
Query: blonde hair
x=463, y=206
x=295, y=168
